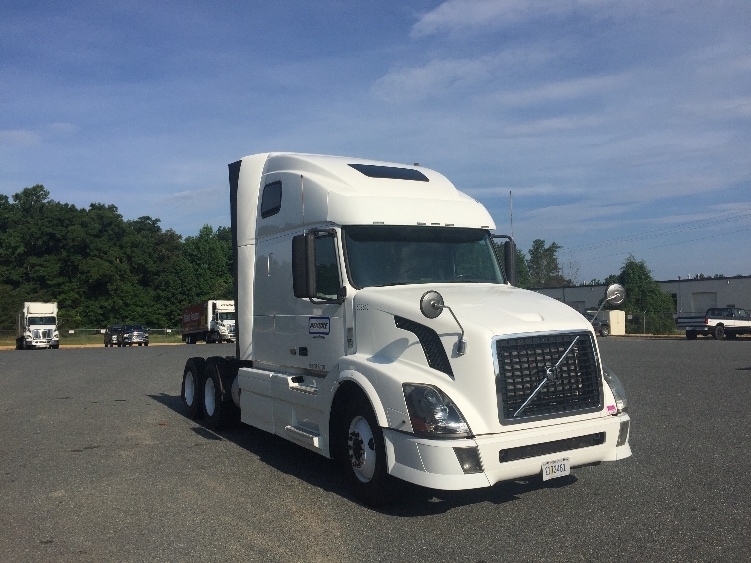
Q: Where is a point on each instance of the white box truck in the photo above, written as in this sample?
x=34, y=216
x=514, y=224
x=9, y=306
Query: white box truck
x=376, y=326
x=209, y=321
x=37, y=326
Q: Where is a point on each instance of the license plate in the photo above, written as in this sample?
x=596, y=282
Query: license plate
x=556, y=468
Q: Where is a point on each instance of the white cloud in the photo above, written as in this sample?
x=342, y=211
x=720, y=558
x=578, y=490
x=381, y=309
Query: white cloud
x=561, y=90
x=62, y=128
x=196, y=200
x=19, y=137
x=551, y=125
x=454, y=15
x=430, y=80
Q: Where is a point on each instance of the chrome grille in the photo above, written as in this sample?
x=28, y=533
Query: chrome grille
x=521, y=364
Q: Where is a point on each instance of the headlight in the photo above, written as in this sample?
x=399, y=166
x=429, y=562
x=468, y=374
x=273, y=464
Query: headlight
x=619, y=392
x=432, y=412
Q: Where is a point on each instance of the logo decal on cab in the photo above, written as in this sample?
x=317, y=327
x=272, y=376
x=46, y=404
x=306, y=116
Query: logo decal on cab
x=319, y=325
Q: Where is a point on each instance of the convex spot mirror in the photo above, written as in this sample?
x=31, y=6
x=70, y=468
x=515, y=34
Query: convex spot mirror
x=431, y=304
x=615, y=294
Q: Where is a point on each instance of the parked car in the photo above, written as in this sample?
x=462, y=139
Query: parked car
x=130, y=334
x=719, y=322
x=110, y=335
x=601, y=327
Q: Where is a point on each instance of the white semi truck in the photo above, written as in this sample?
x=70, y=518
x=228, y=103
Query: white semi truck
x=37, y=326
x=209, y=321
x=376, y=326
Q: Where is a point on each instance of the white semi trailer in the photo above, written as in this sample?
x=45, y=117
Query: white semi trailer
x=37, y=326
x=376, y=326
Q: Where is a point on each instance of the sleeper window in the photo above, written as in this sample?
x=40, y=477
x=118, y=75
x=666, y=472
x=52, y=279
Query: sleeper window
x=271, y=199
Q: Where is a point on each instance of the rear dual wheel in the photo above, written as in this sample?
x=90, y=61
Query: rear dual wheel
x=219, y=411
x=192, y=388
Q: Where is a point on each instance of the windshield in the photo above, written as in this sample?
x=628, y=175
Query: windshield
x=393, y=255
x=34, y=321
x=226, y=316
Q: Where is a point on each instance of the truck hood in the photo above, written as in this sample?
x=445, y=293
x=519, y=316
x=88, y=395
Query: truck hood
x=500, y=309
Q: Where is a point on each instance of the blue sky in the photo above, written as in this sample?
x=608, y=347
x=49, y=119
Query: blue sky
x=620, y=127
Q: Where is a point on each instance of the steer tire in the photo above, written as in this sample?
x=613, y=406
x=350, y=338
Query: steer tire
x=192, y=387
x=362, y=454
x=604, y=331
x=719, y=332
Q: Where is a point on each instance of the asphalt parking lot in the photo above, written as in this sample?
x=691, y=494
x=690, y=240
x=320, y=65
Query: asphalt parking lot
x=98, y=463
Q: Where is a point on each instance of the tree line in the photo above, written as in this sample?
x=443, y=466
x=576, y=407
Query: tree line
x=102, y=269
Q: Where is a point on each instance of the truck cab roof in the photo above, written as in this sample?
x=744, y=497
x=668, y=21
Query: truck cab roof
x=292, y=189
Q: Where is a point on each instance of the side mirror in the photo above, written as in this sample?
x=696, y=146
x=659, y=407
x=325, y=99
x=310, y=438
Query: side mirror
x=509, y=260
x=303, y=266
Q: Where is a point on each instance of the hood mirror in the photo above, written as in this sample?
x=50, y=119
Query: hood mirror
x=431, y=304
x=615, y=294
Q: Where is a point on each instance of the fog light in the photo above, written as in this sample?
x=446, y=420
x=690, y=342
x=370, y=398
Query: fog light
x=469, y=459
x=623, y=433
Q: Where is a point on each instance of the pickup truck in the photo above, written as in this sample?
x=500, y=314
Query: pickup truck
x=718, y=322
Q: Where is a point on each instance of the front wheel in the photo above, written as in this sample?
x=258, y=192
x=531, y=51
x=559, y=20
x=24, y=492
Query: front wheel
x=604, y=331
x=691, y=334
x=191, y=391
x=363, y=454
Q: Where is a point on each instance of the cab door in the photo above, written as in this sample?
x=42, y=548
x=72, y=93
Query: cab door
x=315, y=338
x=320, y=319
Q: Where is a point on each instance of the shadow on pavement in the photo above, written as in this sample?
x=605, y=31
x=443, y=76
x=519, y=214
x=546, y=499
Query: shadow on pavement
x=413, y=501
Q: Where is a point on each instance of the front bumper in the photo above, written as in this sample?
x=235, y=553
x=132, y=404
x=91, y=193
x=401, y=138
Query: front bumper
x=42, y=343
x=434, y=463
x=135, y=340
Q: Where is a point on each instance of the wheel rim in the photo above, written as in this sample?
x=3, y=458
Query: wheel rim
x=190, y=389
x=209, y=400
x=361, y=449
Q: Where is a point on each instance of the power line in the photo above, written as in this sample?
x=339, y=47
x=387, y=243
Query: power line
x=724, y=234
x=668, y=231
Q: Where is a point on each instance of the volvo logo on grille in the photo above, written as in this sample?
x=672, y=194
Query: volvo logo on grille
x=551, y=374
